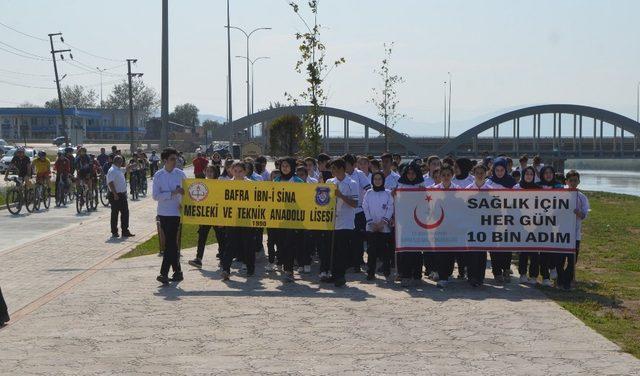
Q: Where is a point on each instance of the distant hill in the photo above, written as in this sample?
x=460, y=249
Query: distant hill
x=219, y=119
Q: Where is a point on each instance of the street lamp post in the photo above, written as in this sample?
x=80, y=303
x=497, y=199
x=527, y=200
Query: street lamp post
x=248, y=35
x=638, y=103
x=252, y=62
x=449, y=115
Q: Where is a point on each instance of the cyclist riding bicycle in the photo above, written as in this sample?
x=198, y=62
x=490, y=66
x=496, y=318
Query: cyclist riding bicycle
x=83, y=165
x=22, y=164
x=63, y=169
x=95, y=169
x=42, y=167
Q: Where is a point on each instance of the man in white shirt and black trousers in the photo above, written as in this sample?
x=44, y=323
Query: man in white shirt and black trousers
x=167, y=190
x=118, y=197
x=343, y=233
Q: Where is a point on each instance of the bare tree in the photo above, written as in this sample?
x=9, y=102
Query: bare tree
x=386, y=100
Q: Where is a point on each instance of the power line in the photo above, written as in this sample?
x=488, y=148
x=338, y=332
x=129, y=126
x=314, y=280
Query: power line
x=90, y=54
x=23, y=33
x=25, y=74
x=25, y=56
x=22, y=51
x=27, y=86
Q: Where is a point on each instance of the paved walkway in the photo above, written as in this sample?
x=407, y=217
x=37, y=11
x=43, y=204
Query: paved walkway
x=78, y=310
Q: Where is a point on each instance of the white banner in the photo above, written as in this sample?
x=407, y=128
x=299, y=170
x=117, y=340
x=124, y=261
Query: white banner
x=497, y=220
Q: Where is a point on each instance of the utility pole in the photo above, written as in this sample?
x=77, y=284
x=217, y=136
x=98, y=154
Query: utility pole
x=130, y=76
x=101, y=71
x=164, y=91
x=229, y=104
x=252, y=75
x=449, y=117
x=55, y=70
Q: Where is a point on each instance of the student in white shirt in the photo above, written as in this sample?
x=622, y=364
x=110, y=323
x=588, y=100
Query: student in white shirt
x=445, y=260
x=312, y=168
x=364, y=184
x=347, y=193
x=476, y=261
x=390, y=176
x=168, y=191
x=226, y=173
x=566, y=273
x=303, y=254
x=241, y=245
x=433, y=163
x=378, y=210
x=260, y=167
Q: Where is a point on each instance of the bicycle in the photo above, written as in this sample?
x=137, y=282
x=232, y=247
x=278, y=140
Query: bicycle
x=104, y=191
x=81, y=197
x=19, y=196
x=142, y=180
x=62, y=192
x=42, y=195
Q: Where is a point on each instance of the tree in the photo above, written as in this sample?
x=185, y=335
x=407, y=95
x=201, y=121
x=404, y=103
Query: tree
x=312, y=59
x=75, y=96
x=27, y=104
x=145, y=98
x=211, y=125
x=285, y=135
x=185, y=114
x=386, y=100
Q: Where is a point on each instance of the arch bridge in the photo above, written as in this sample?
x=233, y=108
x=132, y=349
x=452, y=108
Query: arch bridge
x=556, y=131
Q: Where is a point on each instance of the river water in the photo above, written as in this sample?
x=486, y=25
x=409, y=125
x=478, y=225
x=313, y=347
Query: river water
x=627, y=182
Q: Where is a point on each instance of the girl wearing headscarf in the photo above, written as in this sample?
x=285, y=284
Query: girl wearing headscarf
x=500, y=179
x=528, y=181
x=410, y=264
x=288, y=239
x=462, y=168
x=548, y=260
x=377, y=205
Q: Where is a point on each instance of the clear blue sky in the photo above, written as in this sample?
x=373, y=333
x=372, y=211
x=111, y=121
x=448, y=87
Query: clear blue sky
x=502, y=54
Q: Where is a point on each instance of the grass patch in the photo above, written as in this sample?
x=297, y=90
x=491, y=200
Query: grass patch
x=152, y=246
x=607, y=294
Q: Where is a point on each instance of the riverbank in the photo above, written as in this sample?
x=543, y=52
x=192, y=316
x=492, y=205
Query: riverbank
x=607, y=294
x=603, y=164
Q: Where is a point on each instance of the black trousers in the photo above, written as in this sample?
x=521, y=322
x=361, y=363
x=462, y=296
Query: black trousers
x=429, y=262
x=120, y=206
x=203, y=234
x=240, y=244
x=357, y=240
x=341, y=252
x=410, y=265
x=533, y=261
x=303, y=251
x=500, y=262
x=324, y=242
x=378, y=249
x=476, y=266
x=271, y=245
x=170, y=257
x=4, y=312
x=547, y=262
x=461, y=260
x=444, y=262
x=566, y=267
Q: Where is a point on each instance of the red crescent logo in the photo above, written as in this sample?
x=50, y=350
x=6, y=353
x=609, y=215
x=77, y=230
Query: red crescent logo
x=429, y=226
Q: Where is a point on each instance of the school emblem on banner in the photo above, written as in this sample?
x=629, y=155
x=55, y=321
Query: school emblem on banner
x=198, y=191
x=322, y=196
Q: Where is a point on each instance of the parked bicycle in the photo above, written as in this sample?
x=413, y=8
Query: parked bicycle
x=104, y=191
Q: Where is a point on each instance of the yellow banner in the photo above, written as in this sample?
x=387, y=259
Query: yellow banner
x=259, y=204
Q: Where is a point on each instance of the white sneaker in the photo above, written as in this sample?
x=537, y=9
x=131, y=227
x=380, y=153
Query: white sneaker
x=307, y=269
x=553, y=273
x=547, y=283
x=300, y=269
x=270, y=267
x=323, y=275
x=435, y=276
x=523, y=279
